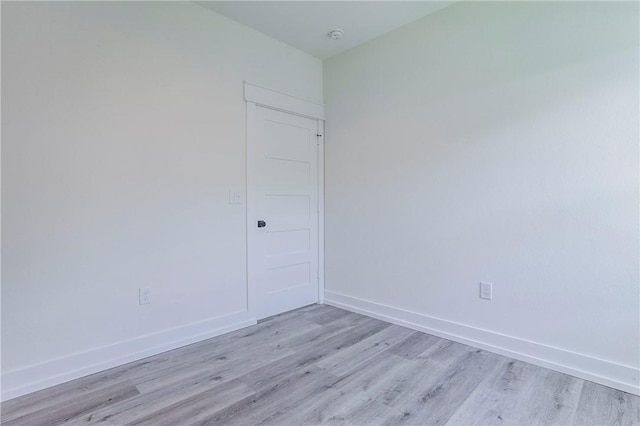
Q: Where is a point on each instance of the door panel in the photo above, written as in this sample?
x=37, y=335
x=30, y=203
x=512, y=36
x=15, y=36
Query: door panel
x=287, y=277
x=285, y=141
x=284, y=160
x=281, y=172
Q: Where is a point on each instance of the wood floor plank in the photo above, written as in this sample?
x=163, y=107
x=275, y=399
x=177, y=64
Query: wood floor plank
x=224, y=368
x=334, y=328
x=61, y=413
x=497, y=400
x=326, y=317
x=342, y=362
x=197, y=408
x=229, y=357
x=65, y=392
x=323, y=365
x=415, y=344
x=280, y=396
x=262, y=378
x=385, y=399
x=521, y=393
x=436, y=397
x=552, y=400
x=306, y=311
x=600, y=405
x=143, y=404
x=165, y=388
x=352, y=391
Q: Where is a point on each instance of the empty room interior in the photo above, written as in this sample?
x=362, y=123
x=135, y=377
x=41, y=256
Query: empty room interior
x=320, y=212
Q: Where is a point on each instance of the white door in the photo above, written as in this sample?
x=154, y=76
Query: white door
x=282, y=210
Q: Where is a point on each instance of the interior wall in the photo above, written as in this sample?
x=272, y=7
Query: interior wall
x=498, y=142
x=123, y=133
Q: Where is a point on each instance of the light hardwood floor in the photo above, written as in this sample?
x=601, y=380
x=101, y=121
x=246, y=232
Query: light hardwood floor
x=323, y=365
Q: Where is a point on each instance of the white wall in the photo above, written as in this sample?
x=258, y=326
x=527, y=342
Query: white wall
x=499, y=142
x=123, y=131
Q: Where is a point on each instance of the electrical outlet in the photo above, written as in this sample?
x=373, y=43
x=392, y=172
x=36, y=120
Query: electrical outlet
x=145, y=295
x=486, y=290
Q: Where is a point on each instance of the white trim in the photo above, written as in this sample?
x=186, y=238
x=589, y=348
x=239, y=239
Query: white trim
x=321, y=212
x=281, y=101
x=36, y=377
x=252, y=272
x=622, y=377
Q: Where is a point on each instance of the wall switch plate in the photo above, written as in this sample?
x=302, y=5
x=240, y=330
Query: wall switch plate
x=145, y=295
x=486, y=290
x=235, y=197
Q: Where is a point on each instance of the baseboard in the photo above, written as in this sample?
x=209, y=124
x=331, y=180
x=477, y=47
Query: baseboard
x=33, y=378
x=622, y=377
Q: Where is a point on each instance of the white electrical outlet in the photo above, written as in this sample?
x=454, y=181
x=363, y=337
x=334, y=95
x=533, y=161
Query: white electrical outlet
x=145, y=295
x=486, y=290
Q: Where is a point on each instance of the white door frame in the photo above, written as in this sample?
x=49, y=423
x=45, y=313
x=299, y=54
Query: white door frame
x=255, y=95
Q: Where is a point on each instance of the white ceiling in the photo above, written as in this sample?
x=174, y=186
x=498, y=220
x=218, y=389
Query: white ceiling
x=305, y=24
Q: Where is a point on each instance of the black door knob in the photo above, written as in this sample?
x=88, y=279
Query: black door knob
x=262, y=224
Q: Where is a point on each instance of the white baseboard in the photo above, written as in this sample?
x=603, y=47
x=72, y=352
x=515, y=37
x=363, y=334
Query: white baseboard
x=36, y=377
x=622, y=377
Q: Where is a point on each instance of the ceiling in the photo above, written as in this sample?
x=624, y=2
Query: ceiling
x=306, y=24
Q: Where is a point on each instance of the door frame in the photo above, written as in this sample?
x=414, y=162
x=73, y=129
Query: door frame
x=260, y=96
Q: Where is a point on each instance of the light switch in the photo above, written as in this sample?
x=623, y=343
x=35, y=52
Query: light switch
x=235, y=197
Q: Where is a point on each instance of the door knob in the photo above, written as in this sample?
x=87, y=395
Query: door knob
x=262, y=224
